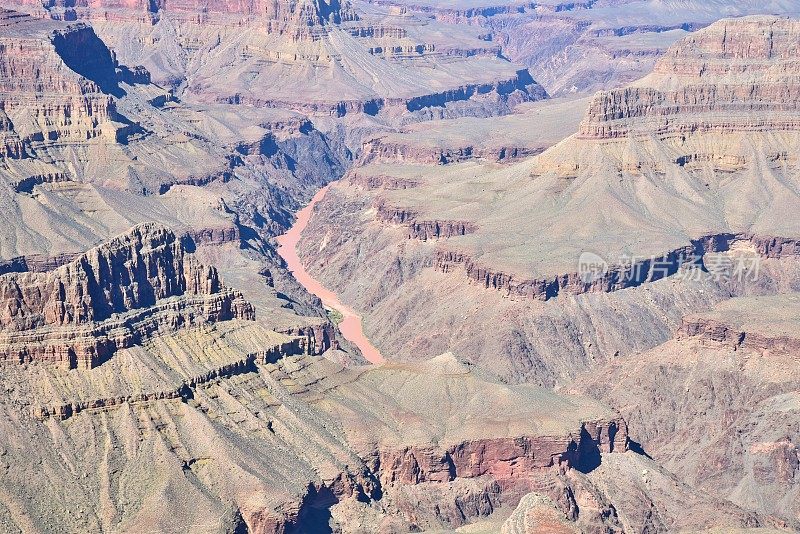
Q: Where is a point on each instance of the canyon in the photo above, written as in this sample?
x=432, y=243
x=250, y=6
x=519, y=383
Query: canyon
x=350, y=324
x=387, y=266
x=662, y=182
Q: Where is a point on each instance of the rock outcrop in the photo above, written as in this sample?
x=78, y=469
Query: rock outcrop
x=303, y=20
x=518, y=88
x=386, y=150
x=372, y=181
x=730, y=374
x=506, y=460
x=315, y=340
x=490, y=470
x=48, y=91
x=419, y=228
x=752, y=324
x=741, y=70
x=112, y=297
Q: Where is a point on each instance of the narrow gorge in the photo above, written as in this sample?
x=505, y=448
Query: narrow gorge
x=350, y=323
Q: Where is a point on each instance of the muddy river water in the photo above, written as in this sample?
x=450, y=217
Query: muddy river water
x=351, y=325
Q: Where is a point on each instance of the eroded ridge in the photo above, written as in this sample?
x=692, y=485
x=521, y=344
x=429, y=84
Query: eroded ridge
x=111, y=297
x=736, y=76
x=616, y=276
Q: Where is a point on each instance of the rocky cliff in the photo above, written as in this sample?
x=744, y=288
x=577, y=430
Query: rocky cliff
x=729, y=374
x=112, y=297
x=222, y=413
x=489, y=471
x=417, y=227
x=507, y=460
x=497, y=96
x=280, y=41
x=387, y=150
x=740, y=69
x=47, y=91
x=615, y=277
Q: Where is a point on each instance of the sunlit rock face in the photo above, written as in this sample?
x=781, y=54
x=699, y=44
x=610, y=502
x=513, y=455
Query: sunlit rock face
x=162, y=370
x=112, y=297
x=309, y=56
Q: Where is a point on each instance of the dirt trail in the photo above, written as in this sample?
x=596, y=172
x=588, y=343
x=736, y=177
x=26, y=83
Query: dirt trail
x=351, y=326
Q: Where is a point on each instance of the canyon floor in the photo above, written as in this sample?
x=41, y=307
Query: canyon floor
x=388, y=266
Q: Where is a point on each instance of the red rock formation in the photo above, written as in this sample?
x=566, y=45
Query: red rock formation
x=88, y=346
x=393, y=214
x=425, y=230
x=111, y=297
x=775, y=247
x=512, y=462
x=777, y=461
x=45, y=90
x=743, y=70
x=618, y=277
x=132, y=271
x=421, y=229
x=715, y=332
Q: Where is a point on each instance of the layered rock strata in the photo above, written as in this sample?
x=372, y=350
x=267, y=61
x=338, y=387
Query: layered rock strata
x=506, y=459
x=278, y=41
x=612, y=277
x=492, y=470
x=112, y=297
x=204, y=400
x=48, y=92
x=731, y=371
x=419, y=228
x=519, y=88
x=385, y=150
x=735, y=76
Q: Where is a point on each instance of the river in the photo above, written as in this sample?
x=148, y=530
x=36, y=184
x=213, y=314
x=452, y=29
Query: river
x=351, y=326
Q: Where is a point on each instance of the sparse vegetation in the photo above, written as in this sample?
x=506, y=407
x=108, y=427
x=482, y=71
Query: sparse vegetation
x=335, y=316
